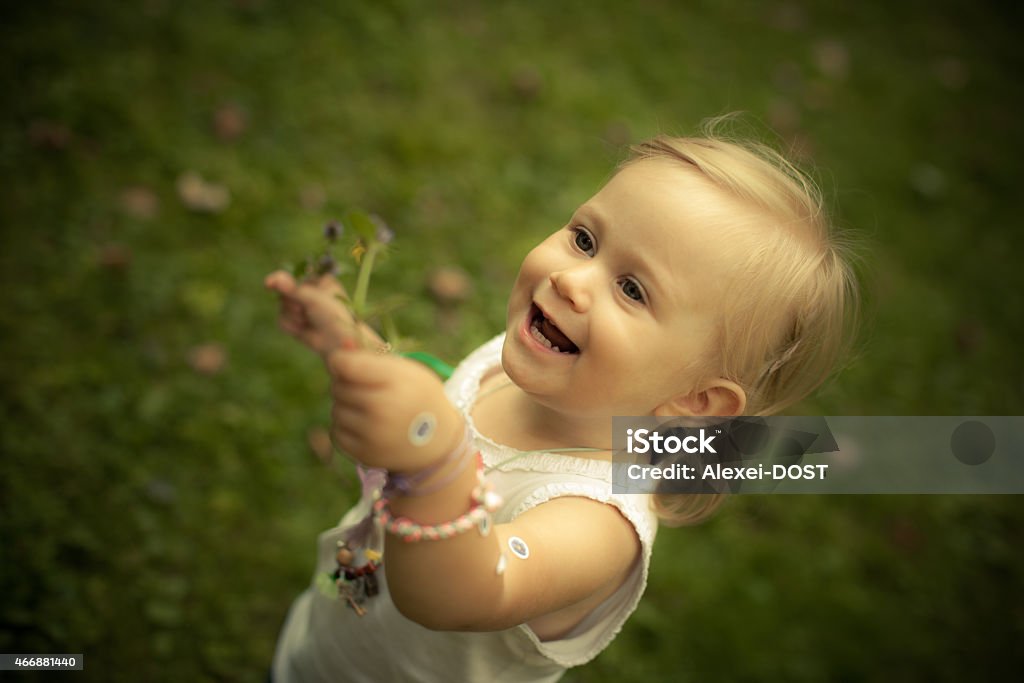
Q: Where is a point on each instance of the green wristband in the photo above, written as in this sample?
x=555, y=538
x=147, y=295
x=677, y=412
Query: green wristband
x=433, y=362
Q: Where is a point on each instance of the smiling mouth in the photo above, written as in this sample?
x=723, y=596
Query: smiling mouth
x=548, y=334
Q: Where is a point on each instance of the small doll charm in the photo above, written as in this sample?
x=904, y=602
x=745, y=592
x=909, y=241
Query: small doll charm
x=355, y=583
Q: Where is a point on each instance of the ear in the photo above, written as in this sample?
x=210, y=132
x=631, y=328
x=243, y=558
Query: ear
x=719, y=398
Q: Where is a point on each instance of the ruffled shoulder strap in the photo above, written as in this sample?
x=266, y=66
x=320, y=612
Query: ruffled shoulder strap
x=464, y=383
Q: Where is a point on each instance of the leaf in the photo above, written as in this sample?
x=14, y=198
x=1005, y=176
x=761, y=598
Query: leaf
x=385, y=307
x=399, y=344
x=390, y=329
x=362, y=225
x=325, y=584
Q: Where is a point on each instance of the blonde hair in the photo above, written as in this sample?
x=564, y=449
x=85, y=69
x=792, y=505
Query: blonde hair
x=792, y=307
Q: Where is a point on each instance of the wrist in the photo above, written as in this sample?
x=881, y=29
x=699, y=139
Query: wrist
x=442, y=519
x=442, y=470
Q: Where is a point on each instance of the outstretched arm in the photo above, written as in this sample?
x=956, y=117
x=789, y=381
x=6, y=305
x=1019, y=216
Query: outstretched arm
x=580, y=550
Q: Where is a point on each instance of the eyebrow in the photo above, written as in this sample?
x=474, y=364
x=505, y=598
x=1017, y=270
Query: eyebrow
x=653, y=279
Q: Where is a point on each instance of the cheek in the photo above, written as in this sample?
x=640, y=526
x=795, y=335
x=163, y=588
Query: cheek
x=659, y=362
x=530, y=267
x=535, y=270
x=696, y=356
x=555, y=249
x=621, y=351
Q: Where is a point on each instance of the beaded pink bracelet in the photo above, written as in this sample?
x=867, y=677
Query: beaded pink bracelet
x=484, y=501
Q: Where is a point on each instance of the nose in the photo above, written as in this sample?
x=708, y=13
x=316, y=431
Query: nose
x=571, y=285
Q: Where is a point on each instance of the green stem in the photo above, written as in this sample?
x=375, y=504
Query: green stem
x=363, y=280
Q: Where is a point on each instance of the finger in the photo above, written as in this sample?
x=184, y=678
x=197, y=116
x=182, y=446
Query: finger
x=312, y=294
x=292, y=314
x=346, y=442
x=301, y=295
x=292, y=309
x=348, y=430
x=280, y=281
x=348, y=419
x=359, y=367
x=310, y=337
x=346, y=393
x=291, y=326
x=367, y=399
x=322, y=307
x=328, y=283
x=364, y=391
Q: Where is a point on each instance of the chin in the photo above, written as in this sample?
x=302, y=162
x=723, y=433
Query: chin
x=508, y=364
x=515, y=363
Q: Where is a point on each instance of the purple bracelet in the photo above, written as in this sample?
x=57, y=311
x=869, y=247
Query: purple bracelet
x=408, y=484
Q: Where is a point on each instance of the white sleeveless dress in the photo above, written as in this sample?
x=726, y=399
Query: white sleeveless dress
x=323, y=640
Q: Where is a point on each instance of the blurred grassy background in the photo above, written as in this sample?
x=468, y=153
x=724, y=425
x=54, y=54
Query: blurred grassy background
x=160, y=496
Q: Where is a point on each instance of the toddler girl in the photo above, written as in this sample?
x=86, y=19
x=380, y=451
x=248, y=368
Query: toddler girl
x=701, y=280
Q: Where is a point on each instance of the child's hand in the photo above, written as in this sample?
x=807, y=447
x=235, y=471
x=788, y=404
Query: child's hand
x=312, y=313
x=390, y=412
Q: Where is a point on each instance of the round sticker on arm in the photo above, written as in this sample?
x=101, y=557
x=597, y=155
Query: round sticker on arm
x=421, y=429
x=518, y=547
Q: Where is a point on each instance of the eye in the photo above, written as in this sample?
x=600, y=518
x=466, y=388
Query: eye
x=632, y=289
x=583, y=241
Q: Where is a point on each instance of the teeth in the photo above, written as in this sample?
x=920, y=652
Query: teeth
x=539, y=336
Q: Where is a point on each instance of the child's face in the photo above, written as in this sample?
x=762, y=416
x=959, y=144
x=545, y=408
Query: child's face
x=613, y=314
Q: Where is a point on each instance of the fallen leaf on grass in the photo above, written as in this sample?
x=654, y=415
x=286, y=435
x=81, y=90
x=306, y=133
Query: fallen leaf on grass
x=905, y=535
x=200, y=195
x=207, y=359
x=49, y=134
x=319, y=440
x=527, y=83
x=969, y=336
x=139, y=202
x=313, y=197
x=229, y=122
x=832, y=58
x=789, y=17
x=784, y=115
x=617, y=133
x=114, y=256
x=449, y=285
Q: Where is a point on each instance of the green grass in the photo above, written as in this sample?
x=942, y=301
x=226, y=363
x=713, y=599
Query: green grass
x=160, y=520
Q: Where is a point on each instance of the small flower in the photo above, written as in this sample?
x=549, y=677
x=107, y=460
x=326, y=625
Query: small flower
x=358, y=249
x=333, y=230
x=327, y=266
x=384, y=234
